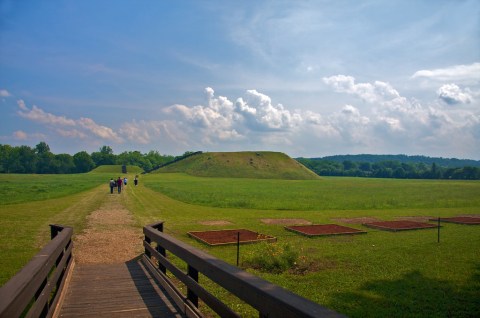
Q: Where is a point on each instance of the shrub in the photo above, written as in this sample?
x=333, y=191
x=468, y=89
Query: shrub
x=271, y=257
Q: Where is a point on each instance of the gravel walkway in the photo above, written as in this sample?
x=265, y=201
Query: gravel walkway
x=110, y=236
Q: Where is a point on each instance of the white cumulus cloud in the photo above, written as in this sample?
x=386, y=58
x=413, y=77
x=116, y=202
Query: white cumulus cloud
x=260, y=114
x=38, y=115
x=59, y=123
x=456, y=73
x=452, y=94
x=377, y=91
x=4, y=93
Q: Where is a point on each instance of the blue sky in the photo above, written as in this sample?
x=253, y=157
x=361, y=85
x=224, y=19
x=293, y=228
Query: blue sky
x=308, y=78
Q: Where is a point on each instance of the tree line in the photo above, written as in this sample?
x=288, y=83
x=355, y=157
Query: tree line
x=24, y=159
x=389, y=169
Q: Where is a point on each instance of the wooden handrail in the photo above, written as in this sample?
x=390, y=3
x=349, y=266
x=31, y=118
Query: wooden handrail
x=35, y=290
x=269, y=299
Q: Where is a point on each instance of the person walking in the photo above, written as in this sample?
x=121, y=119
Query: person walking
x=112, y=185
x=135, y=180
x=119, y=184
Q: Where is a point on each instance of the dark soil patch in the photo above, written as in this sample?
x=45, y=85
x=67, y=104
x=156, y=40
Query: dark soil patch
x=460, y=220
x=399, y=225
x=224, y=237
x=323, y=229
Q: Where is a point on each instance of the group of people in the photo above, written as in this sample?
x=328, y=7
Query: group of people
x=119, y=183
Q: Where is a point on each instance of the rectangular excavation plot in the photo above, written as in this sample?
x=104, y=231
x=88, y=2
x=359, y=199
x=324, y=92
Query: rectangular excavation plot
x=399, y=225
x=323, y=230
x=225, y=237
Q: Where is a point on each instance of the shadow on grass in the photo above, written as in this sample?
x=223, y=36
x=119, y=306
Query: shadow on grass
x=413, y=295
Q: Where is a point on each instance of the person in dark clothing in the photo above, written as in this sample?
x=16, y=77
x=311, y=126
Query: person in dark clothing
x=119, y=184
x=135, y=180
x=112, y=185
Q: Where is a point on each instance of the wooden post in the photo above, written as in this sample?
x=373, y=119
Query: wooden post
x=438, y=231
x=147, y=252
x=238, y=247
x=160, y=249
x=54, y=230
x=193, y=273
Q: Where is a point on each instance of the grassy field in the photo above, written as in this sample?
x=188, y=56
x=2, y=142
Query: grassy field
x=330, y=193
x=20, y=188
x=376, y=274
x=29, y=203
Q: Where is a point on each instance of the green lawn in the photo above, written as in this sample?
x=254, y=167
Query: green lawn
x=20, y=188
x=374, y=275
x=378, y=274
x=325, y=194
x=29, y=203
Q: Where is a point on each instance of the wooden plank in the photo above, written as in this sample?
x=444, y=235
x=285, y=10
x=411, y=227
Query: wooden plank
x=119, y=290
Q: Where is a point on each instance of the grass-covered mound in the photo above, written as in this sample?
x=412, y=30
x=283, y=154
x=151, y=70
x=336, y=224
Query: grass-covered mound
x=116, y=169
x=258, y=165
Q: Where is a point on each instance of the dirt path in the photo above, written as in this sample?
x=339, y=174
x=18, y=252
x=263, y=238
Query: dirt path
x=110, y=236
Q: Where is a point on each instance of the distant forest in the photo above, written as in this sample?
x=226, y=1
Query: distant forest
x=24, y=159
x=394, y=166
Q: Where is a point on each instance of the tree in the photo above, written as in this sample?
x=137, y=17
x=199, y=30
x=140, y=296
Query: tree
x=45, y=159
x=83, y=162
x=27, y=158
x=42, y=148
x=5, y=157
x=64, y=163
x=349, y=165
x=104, y=157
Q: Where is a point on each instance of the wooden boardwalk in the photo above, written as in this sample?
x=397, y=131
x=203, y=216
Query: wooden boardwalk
x=116, y=290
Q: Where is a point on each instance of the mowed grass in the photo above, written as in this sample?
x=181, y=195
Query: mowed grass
x=378, y=274
x=19, y=188
x=327, y=193
x=29, y=203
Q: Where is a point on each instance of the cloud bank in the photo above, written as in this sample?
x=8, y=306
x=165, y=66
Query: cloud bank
x=384, y=121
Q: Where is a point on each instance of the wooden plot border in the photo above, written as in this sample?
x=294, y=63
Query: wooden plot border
x=323, y=230
x=467, y=220
x=402, y=225
x=229, y=237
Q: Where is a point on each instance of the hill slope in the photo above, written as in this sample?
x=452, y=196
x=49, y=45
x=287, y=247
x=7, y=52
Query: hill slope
x=260, y=165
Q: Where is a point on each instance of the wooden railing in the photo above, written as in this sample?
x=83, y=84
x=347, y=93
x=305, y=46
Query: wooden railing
x=270, y=300
x=35, y=290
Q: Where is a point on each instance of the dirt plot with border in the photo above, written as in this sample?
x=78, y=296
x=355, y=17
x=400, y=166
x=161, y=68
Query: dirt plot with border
x=399, y=225
x=468, y=220
x=225, y=237
x=286, y=221
x=323, y=230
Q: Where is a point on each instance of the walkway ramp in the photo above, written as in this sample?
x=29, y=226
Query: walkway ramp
x=116, y=290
